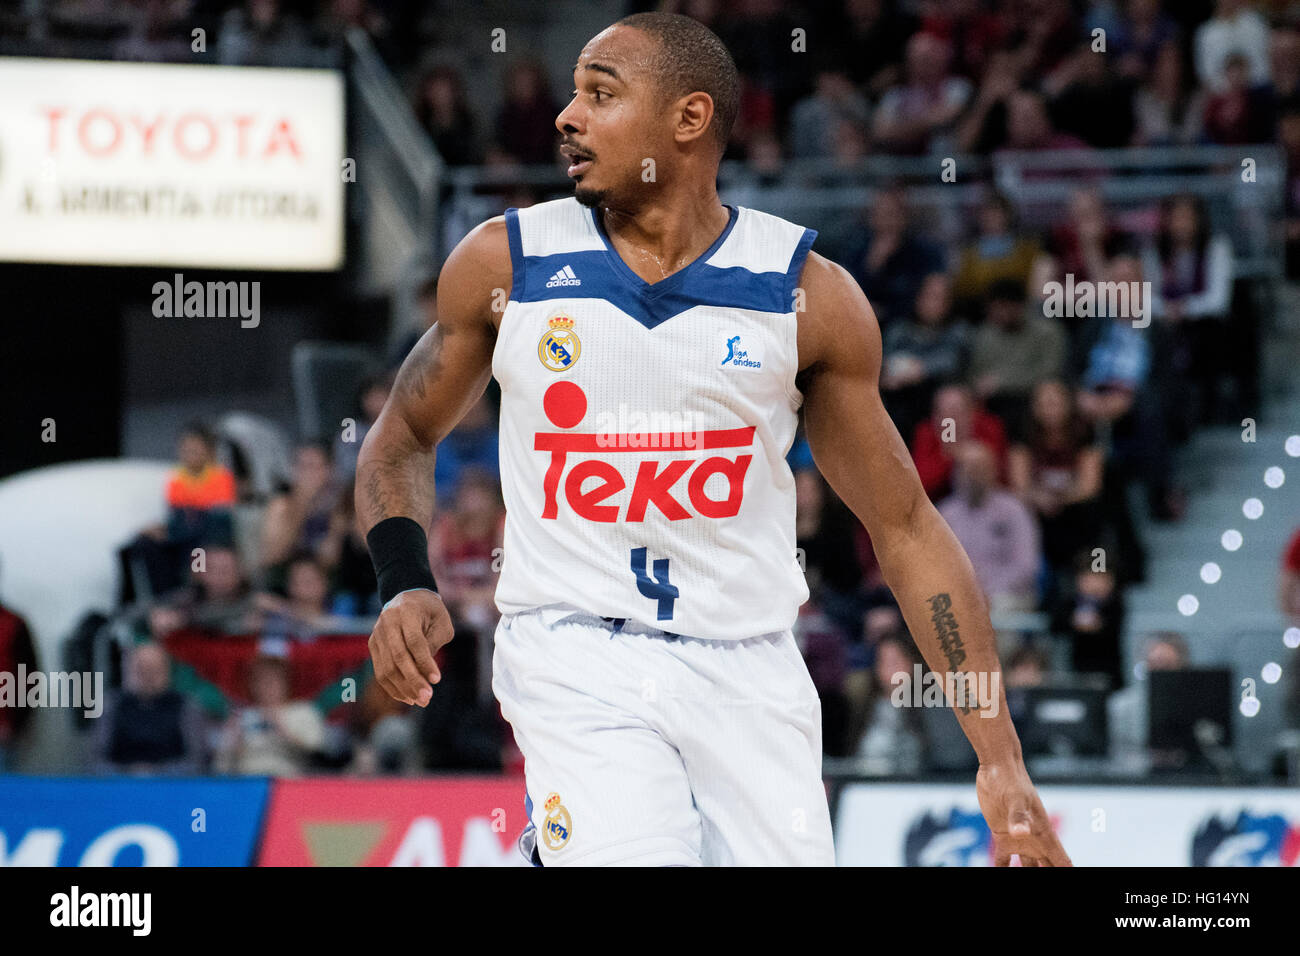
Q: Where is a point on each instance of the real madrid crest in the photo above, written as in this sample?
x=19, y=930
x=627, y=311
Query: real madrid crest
x=557, y=827
x=559, y=347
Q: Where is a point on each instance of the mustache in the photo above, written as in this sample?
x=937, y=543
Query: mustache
x=576, y=149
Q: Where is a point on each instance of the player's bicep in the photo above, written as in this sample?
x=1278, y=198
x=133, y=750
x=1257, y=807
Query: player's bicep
x=440, y=379
x=450, y=365
x=852, y=438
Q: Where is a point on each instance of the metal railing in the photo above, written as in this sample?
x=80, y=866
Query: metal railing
x=1245, y=202
x=398, y=172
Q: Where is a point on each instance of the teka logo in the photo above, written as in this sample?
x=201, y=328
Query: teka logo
x=565, y=405
x=1250, y=840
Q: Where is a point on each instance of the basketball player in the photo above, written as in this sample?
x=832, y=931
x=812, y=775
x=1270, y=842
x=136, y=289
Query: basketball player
x=653, y=348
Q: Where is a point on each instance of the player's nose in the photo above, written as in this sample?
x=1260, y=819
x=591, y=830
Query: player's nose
x=570, y=118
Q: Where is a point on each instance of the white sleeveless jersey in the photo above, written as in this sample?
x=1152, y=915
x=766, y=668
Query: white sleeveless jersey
x=644, y=427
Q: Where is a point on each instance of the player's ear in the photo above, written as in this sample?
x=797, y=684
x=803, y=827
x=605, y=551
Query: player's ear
x=693, y=113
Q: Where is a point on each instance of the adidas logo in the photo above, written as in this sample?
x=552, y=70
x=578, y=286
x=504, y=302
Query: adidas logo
x=564, y=277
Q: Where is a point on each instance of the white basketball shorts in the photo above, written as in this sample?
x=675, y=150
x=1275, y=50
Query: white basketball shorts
x=645, y=748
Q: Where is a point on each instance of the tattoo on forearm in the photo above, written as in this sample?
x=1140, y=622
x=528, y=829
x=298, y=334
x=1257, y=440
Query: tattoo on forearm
x=391, y=487
x=945, y=628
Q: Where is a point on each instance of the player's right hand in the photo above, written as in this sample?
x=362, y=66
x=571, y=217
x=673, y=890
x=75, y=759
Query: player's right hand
x=407, y=635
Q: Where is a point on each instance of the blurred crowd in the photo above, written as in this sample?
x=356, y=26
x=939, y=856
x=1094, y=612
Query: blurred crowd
x=1036, y=433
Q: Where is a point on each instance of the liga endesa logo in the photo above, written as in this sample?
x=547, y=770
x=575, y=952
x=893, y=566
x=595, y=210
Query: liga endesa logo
x=656, y=482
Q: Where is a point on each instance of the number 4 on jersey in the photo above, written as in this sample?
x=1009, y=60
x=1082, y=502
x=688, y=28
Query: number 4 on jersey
x=657, y=588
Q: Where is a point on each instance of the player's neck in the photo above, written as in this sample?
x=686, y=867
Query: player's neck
x=673, y=229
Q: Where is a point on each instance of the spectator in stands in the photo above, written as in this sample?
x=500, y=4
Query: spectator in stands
x=983, y=128
x=1289, y=584
x=914, y=117
x=200, y=495
x=149, y=728
x=260, y=33
x=525, y=127
x=304, y=611
x=1084, y=243
x=1168, y=110
x=1091, y=617
x=826, y=655
x=823, y=545
x=473, y=442
x=1288, y=135
x=997, y=252
x=1289, y=603
x=956, y=419
x=825, y=541
x=465, y=548
x=1191, y=272
x=871, y=43
x=815, y=119
x=1026, y=666
x=157, y=35
x=889, y=260
x=996, y=530
x=1114, y=362
x=298, y=519
x=273, y=735
x=446, y=115
x=1015, y=350
x=1235, y=29
x=371, y=396
x=973, y=31
x=200, y=492
x=345, y=554
x=426, y=317
x=385, y=733
x=1239, y=113
x=893, y=741
x=1144, y=33
x=1029, y=126
x=1043, y=32
x=1093, y=100
x=1057, y=471
x=16, y=650
x=218, y=599
x=930, y=348
x=1284, y=57
x=1127, y=708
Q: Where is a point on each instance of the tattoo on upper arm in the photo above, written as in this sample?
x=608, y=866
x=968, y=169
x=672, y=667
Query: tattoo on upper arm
x=424, y=363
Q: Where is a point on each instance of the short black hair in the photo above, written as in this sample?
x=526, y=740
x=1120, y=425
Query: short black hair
x=202, y=431
x=691, y=58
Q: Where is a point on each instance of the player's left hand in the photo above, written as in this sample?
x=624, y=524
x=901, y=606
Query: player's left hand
x=1016, y=816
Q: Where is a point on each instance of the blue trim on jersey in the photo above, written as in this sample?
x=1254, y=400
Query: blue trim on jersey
x=625, y=271
x=603, y=274
x=652, y=305
x=796, y=264
x=518, y=264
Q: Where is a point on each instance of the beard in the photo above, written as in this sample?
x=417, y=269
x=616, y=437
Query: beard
x=589, y=197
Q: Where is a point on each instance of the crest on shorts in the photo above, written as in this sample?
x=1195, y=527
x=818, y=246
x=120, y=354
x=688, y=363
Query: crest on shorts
x=557, y=827
x=559, y=347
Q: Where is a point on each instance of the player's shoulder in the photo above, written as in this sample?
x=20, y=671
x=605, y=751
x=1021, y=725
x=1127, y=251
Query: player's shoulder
x=476, y=272
x=764, y=242
x=830, y=289
x=834, y=314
